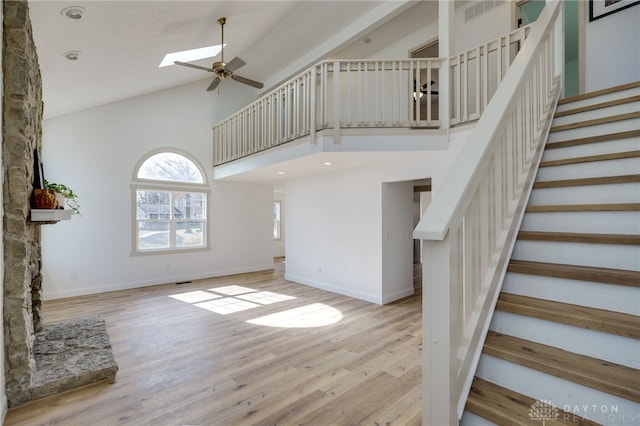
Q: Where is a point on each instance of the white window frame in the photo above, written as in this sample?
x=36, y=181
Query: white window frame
x=279, y=221
x=140, y=184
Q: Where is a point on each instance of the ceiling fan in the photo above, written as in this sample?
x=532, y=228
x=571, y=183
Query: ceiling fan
x=222, y=69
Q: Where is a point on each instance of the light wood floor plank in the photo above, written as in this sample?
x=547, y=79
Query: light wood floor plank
x=182, y=364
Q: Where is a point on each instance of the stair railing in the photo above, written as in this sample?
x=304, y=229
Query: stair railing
x=477, y=73
x=469, y=229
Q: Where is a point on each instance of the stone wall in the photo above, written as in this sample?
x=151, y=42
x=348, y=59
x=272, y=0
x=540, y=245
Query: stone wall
x=22, y=134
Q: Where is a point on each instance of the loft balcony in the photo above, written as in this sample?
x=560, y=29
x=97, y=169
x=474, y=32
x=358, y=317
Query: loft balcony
x=364, y=106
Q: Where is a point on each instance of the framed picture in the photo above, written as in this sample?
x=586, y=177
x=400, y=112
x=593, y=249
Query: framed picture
x=600, y=8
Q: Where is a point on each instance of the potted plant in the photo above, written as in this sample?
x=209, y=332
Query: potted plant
x=64, y=195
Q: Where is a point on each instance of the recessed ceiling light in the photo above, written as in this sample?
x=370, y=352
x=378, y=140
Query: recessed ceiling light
x=191, y=55
x=72, y=55
x=280, y=173
x=327, y=163
x=72, y=12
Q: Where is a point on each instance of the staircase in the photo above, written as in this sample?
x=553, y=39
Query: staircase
x=563, y=346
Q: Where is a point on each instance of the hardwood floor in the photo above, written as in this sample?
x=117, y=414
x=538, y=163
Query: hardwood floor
x=182, y=364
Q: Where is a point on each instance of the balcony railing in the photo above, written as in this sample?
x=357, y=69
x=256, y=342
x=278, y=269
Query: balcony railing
x=350, y=94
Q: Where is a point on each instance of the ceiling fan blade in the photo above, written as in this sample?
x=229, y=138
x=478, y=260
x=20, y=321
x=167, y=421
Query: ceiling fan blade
x=244, y=80
x=213, y=84
x=235, y=64
x=198, y=67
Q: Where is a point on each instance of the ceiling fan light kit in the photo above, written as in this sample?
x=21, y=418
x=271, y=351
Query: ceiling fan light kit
x=221, y=69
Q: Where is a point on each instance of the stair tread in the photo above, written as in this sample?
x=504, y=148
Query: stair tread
x=601, y=92
x=599, y=180
x=596, y=121
x=580, y=237
x=579, y=316
x=576, y=272
x=593, y=139
x=591, y=158
x=504, y=406
x=608, y=207
x=620, y=101
x=605, y=376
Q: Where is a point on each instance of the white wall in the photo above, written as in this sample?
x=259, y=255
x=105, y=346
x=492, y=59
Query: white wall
x=397, y=240
x=484, y=27
x=278, y=245
x=338, y=225
x=95, y=153
x=612, y=49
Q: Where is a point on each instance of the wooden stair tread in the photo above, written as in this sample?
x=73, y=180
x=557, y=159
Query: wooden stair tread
x=601, y=92
x=620, y=101
x=595, y=373
x=600, y=180
x=609, y=207
x=504, y=406
x=579, y=316
x=578, y=237
x=596, y=121
x=591, y=158
x=594, y=139
x=576, y=272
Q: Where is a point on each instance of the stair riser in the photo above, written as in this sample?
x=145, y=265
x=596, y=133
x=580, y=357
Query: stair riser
x=597, y=255
x=470, y=419
x=597, y=113
x=586, y=194
x=600, y=99
x=562, y=393
x=609, y=347
x=597, y=148
x=611, y=297
x=624, y=166
x=600, y=129
x=625, y=222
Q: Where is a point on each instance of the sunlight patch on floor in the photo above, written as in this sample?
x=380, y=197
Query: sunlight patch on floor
x=226, y=305
x=194, y=296
x=229, y=299
x=314, y=315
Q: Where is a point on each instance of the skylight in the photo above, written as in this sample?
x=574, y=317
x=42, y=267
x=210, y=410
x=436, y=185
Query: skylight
x=191, y=55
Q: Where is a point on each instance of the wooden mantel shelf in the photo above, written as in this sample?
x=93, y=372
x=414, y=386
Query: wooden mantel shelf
x=50, y=215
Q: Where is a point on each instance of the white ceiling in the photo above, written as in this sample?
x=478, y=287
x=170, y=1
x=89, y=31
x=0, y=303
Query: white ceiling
x=121, y=43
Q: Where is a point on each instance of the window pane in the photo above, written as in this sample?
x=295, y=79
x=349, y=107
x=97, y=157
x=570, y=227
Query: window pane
x=153, y=205
x=276, y=220
x=188, y=205
x=153, y=235
x=170, y=166
x=189, y=234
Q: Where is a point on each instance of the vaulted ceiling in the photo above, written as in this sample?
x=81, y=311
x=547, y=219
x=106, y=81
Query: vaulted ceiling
x=121, y=43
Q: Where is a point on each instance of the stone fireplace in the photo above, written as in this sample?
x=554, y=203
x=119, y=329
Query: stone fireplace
x=39, y=358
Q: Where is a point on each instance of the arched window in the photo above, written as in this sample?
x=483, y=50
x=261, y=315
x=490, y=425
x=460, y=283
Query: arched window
x=170, y=204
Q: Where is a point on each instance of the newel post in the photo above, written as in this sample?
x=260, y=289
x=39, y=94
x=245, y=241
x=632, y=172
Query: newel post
x=439, y=339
